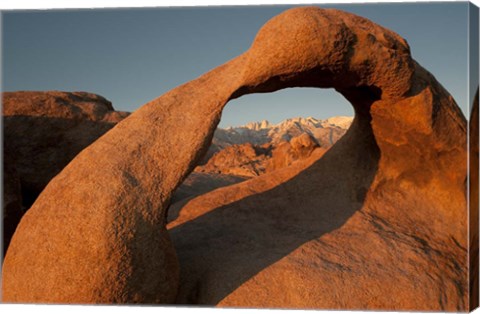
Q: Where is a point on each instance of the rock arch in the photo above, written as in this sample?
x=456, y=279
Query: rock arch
x=96, y=234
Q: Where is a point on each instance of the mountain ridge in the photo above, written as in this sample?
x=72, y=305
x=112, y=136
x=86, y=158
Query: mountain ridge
x=259, y=147
x=339, y=121
x=324, y=132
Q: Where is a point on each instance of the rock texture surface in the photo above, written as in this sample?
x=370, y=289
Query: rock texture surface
x=46, y=130
x=299, y=147
x=198, y=183
x=240, y=160
x=384, y=210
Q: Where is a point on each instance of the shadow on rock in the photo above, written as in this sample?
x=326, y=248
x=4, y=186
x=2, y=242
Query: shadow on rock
x=225, y=247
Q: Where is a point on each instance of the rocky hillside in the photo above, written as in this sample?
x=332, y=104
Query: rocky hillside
x=260, y=147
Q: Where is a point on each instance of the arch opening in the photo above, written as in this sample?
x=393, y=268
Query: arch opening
x=260, y=133
x=247, y=227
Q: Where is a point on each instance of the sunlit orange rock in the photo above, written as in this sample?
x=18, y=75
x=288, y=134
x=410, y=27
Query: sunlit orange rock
x=249, y=160
x=44, y=131
x=240, y=160
x=378, y=223
x=299, y=147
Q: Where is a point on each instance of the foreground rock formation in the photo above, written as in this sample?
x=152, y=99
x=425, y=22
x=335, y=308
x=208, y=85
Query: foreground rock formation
x=47, y=129
x=380, y=222
x=43, y=132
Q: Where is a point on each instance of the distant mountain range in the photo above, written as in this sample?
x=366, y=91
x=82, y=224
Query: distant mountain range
x=260, y=147
x=310, y=122
x=324, y=132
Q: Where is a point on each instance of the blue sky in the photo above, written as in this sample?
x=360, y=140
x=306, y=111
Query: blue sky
x=131, y=56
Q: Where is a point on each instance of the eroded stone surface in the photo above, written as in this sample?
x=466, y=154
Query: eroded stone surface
x=46, y=130
x=97, y=232
x=249, y=160
x=244, y=160
x=43, y=132
x=300, y=147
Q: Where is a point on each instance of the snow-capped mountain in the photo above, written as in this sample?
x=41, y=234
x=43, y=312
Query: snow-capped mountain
x=326, y=132
x=257, y=147
x=343, y=122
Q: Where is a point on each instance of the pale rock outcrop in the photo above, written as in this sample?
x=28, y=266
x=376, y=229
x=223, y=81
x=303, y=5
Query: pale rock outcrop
x=379, y=222
x=244, y=160
x=250, y=160
x=299, y=147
